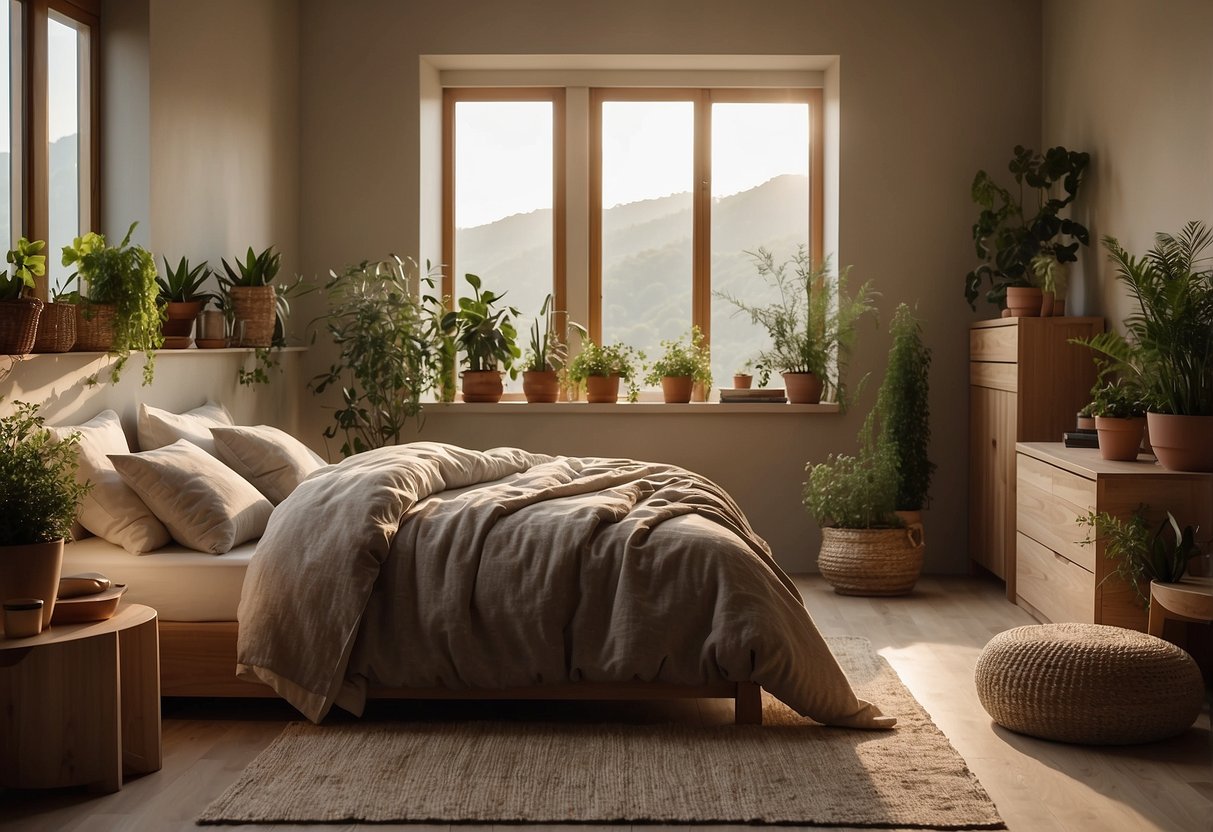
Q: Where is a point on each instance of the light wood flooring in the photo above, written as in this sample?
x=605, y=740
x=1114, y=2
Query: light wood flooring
x=931, y=638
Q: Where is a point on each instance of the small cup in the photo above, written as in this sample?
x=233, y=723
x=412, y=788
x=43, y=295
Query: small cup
x=22, y=617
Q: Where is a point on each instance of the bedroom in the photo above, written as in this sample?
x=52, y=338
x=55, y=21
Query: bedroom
x=305, y=127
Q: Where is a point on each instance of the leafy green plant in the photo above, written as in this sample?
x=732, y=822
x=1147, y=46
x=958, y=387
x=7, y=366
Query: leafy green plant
x=1167, y=349
x=683, y=357
x=1140, y=556
x=549, y=351
x=1008, y=239
x=1115, y=398
x=39, y=494
x=389, y=348
x=125, y=276
x=813, y=325
x=184, y=283
x=612, y=360
x=26, y=264
x=484, y=333
x=254, y=270
x=854, y=492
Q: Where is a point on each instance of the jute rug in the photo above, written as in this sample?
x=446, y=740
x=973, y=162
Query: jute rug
x=788, y=771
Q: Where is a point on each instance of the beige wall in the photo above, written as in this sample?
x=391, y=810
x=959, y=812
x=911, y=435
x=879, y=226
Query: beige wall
x=1132, y=84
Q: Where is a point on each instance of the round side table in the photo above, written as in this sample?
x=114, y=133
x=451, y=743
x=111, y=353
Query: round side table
x=80, y=703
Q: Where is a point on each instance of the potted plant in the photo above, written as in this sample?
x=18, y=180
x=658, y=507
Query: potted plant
x=19, y=314
x=603, y=368
x=743, y=378
x=1053, y=279
x=384, y=332
x=1120, y=419
x=1007, y=238
x=183, y=299
x=1167, y=347
x=39, y=497
x=116, y=310
x=1140, y=556
x=683, y=364
x=812, y=326
x=255, y=303
x=546, y=357
x=486, y=337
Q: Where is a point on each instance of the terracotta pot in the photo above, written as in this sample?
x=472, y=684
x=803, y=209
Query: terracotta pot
x=1024, y=301
x=677, y=389
x=871, y=561
x=254, y=312
x=602, y=389
x=1120, y=439
x=1059, y=307
x=540, y=386
x=742, y=381
x=1084, y=423
x=482, y=386
x=32, y=571
x=179, y=322
x=803, y=388
x=1046, y=304
x=1182, y=443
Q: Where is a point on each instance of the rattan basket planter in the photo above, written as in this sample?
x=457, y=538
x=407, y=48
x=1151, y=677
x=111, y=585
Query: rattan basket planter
x=253, y=315
x=95, y=327
x=871, y=561
x=19, y=325
x=1089, y=684
x=56, y=328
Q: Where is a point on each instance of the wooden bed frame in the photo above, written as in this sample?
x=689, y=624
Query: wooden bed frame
x=198, y=659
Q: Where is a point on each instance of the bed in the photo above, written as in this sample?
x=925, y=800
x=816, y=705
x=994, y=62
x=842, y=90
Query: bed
x=430, y=571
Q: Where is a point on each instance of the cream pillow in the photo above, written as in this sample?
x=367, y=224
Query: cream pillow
x=111, y=510
x=205, y=505
x=271, y=459
x=158, y=428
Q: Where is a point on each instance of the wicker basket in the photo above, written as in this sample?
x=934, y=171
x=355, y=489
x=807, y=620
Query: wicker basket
x=56, y=328
x=253, y=315
x=18, y=325
x=1089, y=684
x=871, y=561
x=95, y=327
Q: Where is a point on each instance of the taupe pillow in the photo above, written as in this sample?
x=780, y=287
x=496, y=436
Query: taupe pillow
x=271, y=459
x=111, y=510
x=205, y=505
x=158, y=428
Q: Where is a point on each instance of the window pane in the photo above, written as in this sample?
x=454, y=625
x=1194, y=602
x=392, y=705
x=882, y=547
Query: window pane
x=503, y=203
x=760, y=197
x=63, y=125
x=8, y=210
x=647, y=180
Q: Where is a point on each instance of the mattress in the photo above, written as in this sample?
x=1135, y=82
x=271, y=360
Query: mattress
x=179, y=583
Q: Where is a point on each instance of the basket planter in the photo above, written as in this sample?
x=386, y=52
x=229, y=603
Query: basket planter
x=19, y=325
x=32, y=571
x=602, y=389
x=1119, y=439
x=482, y=386
x=677, y=389
x=179, y=322
x=95, y=327
x=1182, y=443
x=871, y=561
x=254, y=311
x=56, y=328
x=540, y=386
x=803, y=388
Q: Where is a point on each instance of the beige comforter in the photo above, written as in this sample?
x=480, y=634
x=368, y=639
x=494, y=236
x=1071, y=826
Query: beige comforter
x=550, y=570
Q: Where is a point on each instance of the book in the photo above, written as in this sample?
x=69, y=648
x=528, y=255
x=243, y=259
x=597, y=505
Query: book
x=739, y=393
x=1080, y=439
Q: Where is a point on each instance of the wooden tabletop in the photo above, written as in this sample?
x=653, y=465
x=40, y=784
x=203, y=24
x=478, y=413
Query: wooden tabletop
x=128, y=615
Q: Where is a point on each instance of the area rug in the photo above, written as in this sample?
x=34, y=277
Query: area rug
x=787, y=771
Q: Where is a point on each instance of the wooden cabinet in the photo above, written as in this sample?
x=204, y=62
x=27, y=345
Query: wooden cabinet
x=1026, y=382
x=1059, y=577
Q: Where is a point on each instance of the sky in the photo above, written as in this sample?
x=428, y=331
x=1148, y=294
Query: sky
x=503, y=152
x=61, y=81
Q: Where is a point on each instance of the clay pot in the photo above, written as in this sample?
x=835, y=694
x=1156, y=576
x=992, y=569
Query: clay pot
x=1059, y=307
x=677, y=389
x=179, y=322
x=742, y=381
x=32, y=571
x=803, y=388
x=1085, y=423
x=602, y=389
x=1046, y=304
x=1182, y=443
x=540, y=386
x=482, y=386
x=1120, y=439
x=1024, y=301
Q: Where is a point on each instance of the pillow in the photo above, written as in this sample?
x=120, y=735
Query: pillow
x=158, y=428
x=205, y=505
x=111, y=510
x=272, y=460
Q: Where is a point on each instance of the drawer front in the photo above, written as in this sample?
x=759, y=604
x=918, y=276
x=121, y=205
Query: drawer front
x=1062, y=484
x=1057, y=588
x=993, y=374
x=1053, y=522
x=996, y=343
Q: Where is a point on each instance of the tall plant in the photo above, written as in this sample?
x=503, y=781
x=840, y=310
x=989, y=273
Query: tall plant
x=39, y=493
x=387, y=336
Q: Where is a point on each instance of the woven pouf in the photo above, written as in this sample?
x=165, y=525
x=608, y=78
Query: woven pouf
x=1088, y=684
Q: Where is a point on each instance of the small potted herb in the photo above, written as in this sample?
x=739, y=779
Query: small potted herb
x=486, y=336
x=1120, y=419
x=183, y=299
x=547, y=356
x=603, y=368
x=683, y=364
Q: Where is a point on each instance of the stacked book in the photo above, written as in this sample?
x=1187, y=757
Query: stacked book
x=764, y=395
x=1080, y=438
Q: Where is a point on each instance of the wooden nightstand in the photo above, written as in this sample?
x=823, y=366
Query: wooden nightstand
x=80, y=703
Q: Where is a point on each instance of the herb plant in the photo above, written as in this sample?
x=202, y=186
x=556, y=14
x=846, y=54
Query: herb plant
x=1117, y=399
x=39, y=494
x=854, y=492
x=485, y=333
x=683, y=358
x=25, y=264
x=1140, y=556
x=613, y=360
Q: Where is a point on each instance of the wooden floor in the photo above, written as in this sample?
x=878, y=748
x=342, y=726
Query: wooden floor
x=932, y=638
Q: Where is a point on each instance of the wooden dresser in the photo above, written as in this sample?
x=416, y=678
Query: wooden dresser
x=1026, y=382
x=1060, y=578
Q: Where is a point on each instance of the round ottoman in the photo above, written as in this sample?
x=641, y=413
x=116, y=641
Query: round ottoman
x=1089, y=684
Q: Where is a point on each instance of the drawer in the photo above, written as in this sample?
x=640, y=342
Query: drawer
x=993, y=374
x=1053, y=522
x=1076, y=490
x=1057, y=588
x=995, y=343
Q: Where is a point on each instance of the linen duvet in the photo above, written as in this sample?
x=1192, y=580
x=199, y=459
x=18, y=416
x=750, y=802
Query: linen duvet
x=429, y=565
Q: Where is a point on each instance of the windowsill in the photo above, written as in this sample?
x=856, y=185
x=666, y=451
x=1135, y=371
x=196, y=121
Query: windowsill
x=647, y=408
x=158, y=353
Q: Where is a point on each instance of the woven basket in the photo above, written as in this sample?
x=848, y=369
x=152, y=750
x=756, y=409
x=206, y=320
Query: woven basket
x=871, y=561
x=1089, y=684
x=56, y=328
x=18, y=325
x=253, y=315
x=94, y=327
